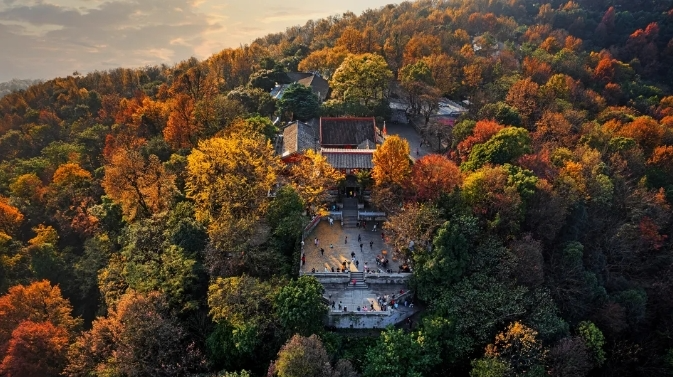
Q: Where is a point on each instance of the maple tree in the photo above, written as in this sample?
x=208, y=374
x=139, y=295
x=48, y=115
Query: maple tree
x=181, y=129
x=38, y=302
x=10, y=217
x=36, y=349
x=432, y=176
x=445, y=72
x=537, y=70
x=584, y=78
x=352, y=40
x=482, y=131
x=524, y=96
x=420, y=46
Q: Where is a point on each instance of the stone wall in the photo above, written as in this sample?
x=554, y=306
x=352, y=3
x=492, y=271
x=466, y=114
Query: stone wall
x=359, y=320
x=368, y=320
x=330, y=277
x=386, y=278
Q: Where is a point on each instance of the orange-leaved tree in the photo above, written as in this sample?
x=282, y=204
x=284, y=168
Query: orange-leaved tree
x=182, y=131
x=433, y=175
x=483, y=130
x=38, y=302
x=36, y=349
x=524, y=95
x=10, y=217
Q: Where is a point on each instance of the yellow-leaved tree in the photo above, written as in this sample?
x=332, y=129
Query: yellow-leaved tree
x=312, y=176
x=140, y=185
x=229, y=179
x=391, y=173
x=391, y=162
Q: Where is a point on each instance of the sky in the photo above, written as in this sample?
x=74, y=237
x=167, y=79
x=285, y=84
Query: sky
x=43, y=39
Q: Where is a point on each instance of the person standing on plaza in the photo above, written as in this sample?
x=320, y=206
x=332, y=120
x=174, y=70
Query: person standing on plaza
x=371, y=245
x=346, y=239
x=359, y=238
x=360, y=246
x=322, y=252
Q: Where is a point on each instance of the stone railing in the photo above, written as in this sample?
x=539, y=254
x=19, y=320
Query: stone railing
x=336, y=215
x=329, y=277
x=310, y=226
x=352, y=311
x=387, y=278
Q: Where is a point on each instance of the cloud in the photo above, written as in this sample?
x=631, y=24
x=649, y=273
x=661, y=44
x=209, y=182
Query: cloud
x=48, y=38
x=51, y=39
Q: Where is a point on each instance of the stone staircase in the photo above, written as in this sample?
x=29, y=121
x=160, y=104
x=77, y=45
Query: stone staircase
x=359, y=278
x=350, y=212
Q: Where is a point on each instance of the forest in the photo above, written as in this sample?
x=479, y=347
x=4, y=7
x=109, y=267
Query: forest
x=137, y=236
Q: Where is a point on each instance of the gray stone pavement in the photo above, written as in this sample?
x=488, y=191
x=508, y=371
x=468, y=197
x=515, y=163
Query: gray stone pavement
x=364, y=298
x=341, y=249
x=407, y=131
x=349, y=297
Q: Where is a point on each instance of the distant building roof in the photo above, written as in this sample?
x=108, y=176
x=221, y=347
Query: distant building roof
x=346, y=131
x=298, y=137
x=319, y=85
x=341, y=158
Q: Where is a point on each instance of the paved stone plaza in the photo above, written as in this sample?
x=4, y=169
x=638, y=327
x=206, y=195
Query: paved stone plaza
x=341, y=250
x=345, y=295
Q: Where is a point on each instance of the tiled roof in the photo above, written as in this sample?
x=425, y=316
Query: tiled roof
x=346, y=131
x=319, y=85
x=296, y=76
x=298, y=137
x=349, y=158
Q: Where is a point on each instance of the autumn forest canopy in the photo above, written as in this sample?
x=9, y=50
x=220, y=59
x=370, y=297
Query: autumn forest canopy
x=138, y=236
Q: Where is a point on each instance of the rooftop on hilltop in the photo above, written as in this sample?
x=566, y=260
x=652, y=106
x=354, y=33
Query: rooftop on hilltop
x=318, y=85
